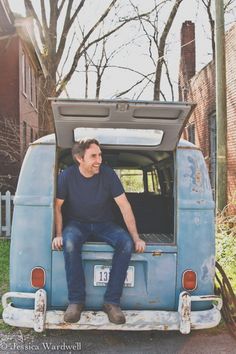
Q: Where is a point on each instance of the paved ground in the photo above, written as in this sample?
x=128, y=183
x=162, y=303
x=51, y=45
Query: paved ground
x=215, y=341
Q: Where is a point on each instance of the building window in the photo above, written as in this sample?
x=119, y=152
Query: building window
x=24, y=139
x=34, y=90
x=191, y=133
x=24, y=74
x=29, y=81
x=31, y=135
x=31, y=84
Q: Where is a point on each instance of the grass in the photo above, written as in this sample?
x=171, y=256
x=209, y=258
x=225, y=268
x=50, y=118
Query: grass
x=4, y=266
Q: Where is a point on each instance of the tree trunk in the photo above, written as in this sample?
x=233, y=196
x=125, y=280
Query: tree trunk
x=46, y=90
x=161, y=49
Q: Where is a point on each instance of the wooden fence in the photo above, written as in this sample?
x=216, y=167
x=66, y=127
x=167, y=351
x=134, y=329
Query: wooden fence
x=6, y=207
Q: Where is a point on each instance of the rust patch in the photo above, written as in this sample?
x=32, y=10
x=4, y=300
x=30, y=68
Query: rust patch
x=198, y=177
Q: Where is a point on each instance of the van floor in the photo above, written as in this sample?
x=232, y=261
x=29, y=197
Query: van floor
x=151, y=238
x=157, y=238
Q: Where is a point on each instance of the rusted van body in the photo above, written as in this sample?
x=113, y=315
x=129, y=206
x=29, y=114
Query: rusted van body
x=171, y=285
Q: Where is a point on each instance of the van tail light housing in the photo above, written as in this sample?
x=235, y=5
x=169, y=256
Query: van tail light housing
x=189, y=280
x=38, y=277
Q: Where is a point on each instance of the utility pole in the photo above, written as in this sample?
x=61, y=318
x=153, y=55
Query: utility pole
x=221, y=109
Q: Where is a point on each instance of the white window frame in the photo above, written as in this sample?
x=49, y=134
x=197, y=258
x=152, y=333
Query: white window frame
x=24, y=74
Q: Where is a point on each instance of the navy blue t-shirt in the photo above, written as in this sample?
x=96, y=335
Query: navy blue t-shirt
x=88, y=199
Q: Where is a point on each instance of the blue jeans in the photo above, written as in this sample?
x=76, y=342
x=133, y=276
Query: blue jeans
x=74, y=235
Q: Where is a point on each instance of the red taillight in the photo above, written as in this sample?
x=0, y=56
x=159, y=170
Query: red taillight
x=38, y=277
x=189, y=280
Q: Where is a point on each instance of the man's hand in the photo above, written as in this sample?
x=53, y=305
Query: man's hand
x=57, y=243
x=139, y=246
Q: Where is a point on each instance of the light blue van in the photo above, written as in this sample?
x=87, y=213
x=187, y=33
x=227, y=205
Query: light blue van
x=171, y=285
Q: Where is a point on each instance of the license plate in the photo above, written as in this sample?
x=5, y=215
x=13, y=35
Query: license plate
x=102, y=273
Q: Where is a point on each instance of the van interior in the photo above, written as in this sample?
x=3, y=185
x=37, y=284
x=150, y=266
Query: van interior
x=148, y=179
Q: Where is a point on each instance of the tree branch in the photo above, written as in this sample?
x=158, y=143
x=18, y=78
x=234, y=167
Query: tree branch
x=161, y=48
x=76, y=12
x=80, y=51
x=52, y=33
x=169, y=80
x=66, y=58
x=44, y=18
x=66, y=27
x=84, y=47
x=134, y=71
x=131, y=88
x=62, y=41
x=207, y=4
x=61, y=7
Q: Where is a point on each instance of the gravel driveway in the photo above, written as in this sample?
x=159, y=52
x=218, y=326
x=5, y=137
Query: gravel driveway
x=213, y=341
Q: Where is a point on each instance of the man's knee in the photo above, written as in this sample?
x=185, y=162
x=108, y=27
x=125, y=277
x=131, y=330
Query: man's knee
x=72, y=239
x=127, y=244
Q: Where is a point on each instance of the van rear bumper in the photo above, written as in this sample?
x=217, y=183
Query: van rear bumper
x=182, y=320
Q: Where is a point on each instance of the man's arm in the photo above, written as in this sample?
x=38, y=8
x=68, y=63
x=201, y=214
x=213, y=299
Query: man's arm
x=129, y=219
x=57, y=242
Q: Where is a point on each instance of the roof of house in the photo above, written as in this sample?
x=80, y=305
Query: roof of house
x=6, y=19
x=14, y=24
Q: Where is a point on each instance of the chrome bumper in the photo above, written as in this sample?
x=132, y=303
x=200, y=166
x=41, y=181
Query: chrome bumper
x=183, y=320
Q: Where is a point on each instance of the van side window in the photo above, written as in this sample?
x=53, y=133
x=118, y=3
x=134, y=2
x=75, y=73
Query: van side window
x=131, y=179
x=153, y=184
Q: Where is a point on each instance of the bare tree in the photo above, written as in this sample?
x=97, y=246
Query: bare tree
x=161, y=48
x=11, y=152
x=144, y=81
x=96, y=62
x=100, y=60
x=157, y=41
x=101, y=66
x=51, y=44
x=229, y=6
x=208, y=4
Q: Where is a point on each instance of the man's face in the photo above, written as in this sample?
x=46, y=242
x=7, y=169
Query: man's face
x=89, y=165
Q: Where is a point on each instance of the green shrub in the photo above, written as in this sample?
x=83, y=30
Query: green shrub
x=226, y=245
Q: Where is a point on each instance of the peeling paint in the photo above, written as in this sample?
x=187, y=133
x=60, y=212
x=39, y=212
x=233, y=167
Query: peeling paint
x=198, y=177
x=194, y=174
x=197, y=220
x=183, y=320
x=208, y=269
x=185, y=313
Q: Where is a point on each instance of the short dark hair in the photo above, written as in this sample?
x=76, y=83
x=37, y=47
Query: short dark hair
x=81, y=145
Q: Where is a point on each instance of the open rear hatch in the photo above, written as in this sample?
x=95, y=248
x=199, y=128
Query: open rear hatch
x=126, y=125
x=157, y=124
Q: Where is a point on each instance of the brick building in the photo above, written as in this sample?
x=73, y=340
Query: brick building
x=20, y=72
x=200, y=89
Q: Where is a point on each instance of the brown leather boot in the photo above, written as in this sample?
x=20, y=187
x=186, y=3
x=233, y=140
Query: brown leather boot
x=73, y=313
x=114, y=313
